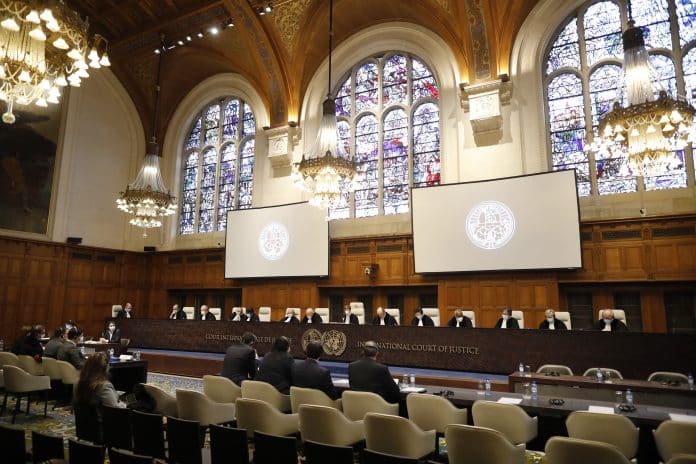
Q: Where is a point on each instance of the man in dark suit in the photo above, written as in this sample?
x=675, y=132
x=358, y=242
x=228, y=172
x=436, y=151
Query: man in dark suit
x=310, y=374
x=311, y=317
x=422, y=320
x=290, y=317
x=551, y=323
x=250, y=315
x=348, y=317
x=111, y=333
x=276, y=367
x=70, y=352
x=126, y=312
x=608, y=323
x=177, y=313
x=366, y=374
x=240, y=360
x=460, y=320
x=205, y=315
x=506, y=320
x=383, y=318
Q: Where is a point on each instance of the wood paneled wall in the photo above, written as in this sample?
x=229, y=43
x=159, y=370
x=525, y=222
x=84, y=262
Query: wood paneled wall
x=51, y=282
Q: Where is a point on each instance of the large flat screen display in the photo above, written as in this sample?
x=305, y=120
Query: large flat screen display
x=526, y=222
x=279, y=241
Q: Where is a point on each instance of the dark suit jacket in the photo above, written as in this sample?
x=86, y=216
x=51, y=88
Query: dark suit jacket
x=53, y=346
x=511, y=323
x=466, y=322
x=427, y=321
x=180, y=314
x=294, y=320
x=557, y=324
x=123, y=314
x=316, y=319
x=353, y=319
x=208, y=317
x=276, y=369
x=366, y=374
x=310, y=374
x=115, y=337
x=616, y=325
x=71, y=353
x=388, y=320
x=239, y=363
x=253, y=317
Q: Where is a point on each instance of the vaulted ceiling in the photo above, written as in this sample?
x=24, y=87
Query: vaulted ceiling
x=279, y=52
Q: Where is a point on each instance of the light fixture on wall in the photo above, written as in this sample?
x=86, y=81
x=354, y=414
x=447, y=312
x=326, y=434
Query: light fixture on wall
x=44, y=46
x=147, y=199
x=649, y=131
x=326, y=172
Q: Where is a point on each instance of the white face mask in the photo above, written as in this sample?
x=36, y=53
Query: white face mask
x=550, y=319
x=419, y=316
x=460, y=319
x=608, y=321
x=506, y=317
x=347, y=313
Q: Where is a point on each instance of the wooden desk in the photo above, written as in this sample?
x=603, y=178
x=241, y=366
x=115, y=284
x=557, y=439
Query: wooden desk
x=125, y=374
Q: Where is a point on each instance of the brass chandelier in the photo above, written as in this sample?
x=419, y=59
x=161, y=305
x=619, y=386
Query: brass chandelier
x=44, y=46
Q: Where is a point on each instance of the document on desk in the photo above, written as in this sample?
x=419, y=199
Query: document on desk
x=681, y=417
x=340, y=382
x=508, y=400
x=601, y=409
x=413, y=390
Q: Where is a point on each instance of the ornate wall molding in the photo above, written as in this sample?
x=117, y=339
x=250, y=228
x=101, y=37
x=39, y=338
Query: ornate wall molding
x=281, y=143
x=483, y=102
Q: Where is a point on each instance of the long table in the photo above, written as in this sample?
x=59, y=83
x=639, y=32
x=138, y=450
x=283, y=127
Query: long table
x=498, y=351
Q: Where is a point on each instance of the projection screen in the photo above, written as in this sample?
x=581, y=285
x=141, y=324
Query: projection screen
x=527, y=222
x=278, y=241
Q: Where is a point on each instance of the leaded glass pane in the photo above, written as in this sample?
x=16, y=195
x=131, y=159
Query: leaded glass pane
x=366, y=85
x=230, y=126
x=426, y=145
x=194, y=138
x=395, y=162
x=249, y=122
x=246, y=174
x=424, y=85
x=228, y=171
x=366, y=157
x=565, y=51
x=395, y=80
x=188, y=197
x=343, y=105
x=207, y=190
x=674, y=175
x=653, y=17
x=664, y=67
x=604, y=89
x=212, y=122
x=686, y=14
x=602, y=24
x=689, y=67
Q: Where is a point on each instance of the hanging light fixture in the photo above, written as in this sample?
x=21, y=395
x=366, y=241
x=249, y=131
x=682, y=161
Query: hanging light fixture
x=326, y=172
x=147, y=199
x=44, y=46
x=649, y=131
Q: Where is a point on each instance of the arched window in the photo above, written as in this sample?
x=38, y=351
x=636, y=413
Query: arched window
x=218, y=166
x=583, y=76
x=389, y=120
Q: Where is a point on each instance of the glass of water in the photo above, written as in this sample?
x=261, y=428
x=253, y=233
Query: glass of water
x=618, y=398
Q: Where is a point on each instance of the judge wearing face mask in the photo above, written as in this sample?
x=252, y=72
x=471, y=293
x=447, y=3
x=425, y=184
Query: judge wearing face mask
x=506, y=320
x=206, y=315
x=249, y=315
x=422, y=320
x=236, y=315
x=610, y=324
x=460, y=320
x=551, y=323
x=290, y=317
x=111, y=334
x=348, y=317
x=383, y=318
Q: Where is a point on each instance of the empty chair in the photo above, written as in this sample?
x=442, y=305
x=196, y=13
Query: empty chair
x=14, y=448
x=592, y=372
x=51, y=369
x=217, y=312
x=148, y=434
x=84, y=452
x=165, y=403
x=265, y=314
x=608, y=428
x=300, y=396
x=563, y=450
x=395, y=313
x=228, y=445
x=119, y=456
x=322, y=424
x=431, y=412
x=30, y=365
x=116, y=426
x=115, y=309
x=8, y=359
x=69, y=375
x=398, y=436
x=46, y=446
x=195, y=406
x=683, y=459
x=185, y=441
x=519, y=315
x=257, y=390
x=88, y=426
x=674, y=437
x=491, y=446
x=221, y=389
x=668, y=377
x=509, y=419
x=558, y=369
x=373, y=457
x=434, y=314
x=190, y=312
x=320, y=453
x=259, y=416
x=356, y=404
x=19, y=384
x=564, y=316
x=274, y=449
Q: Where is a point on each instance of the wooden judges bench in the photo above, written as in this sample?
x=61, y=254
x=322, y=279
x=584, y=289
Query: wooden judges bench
x=497, y=351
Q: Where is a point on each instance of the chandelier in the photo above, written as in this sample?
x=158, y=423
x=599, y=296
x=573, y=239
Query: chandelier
x=649, y=132
x=147, y=199
x=43, y=46
x=326, y=172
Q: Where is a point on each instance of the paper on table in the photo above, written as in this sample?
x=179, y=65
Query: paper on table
x=413, y=390
x=601, y=409
x=508, y=400
x=682, y=417
x=340, y=381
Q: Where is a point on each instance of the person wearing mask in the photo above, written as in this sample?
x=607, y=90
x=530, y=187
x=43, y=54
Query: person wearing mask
x=111, y=334
x=276, y=367
x=31, y=345
x=205, y=314
x=422, y=320
x=70, y=352
x=126, y=312
x=58, y=339
x=177, y=313
x=366, y=374
x=459, y=320
x=240, y=360
x=506, y=320
x=551, y=323
x=310, y=374
x=289, y=317
x=608, y=323
x=348, y=317
x=69, y=325
x=249, y=315
x=236, y=315
x=383, y=318
x=311, y=317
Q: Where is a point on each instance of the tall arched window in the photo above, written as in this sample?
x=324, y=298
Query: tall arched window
x=218, y=166
x=389, y=120
x=582, y=78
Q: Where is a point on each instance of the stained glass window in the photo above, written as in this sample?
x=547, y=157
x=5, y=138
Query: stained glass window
x=571, y=81
x=389, y=120
x=219, y=166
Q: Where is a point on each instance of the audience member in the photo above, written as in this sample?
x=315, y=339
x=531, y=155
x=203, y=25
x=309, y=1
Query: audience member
x=366, y=374
x=383, y=318
x=177, y=313
x=58, y=339
x=126, y=312
x=310, y=374
x=70, y=352
x=250, y=316
x=240, y=360
x=551, y=323
x=69, y=324
x=348, y=317
x=111, y=333
x=290, y=317
x=506, y=320
x=205, y=315
x=311, y=317
x=19, y=341
x=608, y=323
x=422, y=320
x=276, y=367
x=31, y=346
x=460, y=320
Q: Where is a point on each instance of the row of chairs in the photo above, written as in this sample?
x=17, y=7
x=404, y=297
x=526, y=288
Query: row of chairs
x=657, y=376
x=46, y=447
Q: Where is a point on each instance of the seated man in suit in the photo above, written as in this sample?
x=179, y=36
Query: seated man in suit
x=177, y=313
x=310, y=374
x=366, y=374
x=551, y=323
x=506, y=320
x=422, y=320
x=205, y=314
x=276, y=367
x=70, y=352
x=348, y=317
x=111, y=333
x=290, y=317
x=609, y=324
x=383, y=318
x=236, y=315
x=459, y=320
x=240, y=360
x=58, y=339
x=249, y=315
x=310, y=317
x=126, y=312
